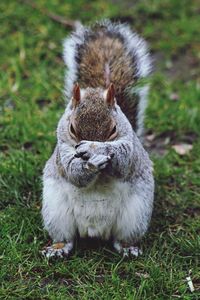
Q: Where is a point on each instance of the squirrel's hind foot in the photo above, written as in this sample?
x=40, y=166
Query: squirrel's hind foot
x=127, y=250
x=58, y=250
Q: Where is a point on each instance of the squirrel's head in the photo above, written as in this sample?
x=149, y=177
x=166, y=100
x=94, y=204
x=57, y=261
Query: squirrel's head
x=91, y=117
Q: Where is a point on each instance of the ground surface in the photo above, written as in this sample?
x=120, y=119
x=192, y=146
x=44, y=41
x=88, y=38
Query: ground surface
x=31, y=82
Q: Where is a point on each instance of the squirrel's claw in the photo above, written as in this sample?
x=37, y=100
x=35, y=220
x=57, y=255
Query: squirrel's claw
x=83, y=150
x=82, y=154
x=127, y=251
x=81, y=143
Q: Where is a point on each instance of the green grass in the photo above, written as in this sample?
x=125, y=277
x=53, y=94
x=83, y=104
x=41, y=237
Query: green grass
x=31, y=102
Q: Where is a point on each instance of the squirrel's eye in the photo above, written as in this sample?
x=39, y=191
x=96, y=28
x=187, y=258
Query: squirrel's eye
x=113, y=130
x=72, y=130
x=113, y=133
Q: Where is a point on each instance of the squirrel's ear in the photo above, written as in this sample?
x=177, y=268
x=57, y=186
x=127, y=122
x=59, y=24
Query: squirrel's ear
x=110, y=95
x=76, y=97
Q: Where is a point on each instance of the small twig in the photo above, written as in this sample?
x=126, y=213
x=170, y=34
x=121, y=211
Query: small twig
x=57, y=18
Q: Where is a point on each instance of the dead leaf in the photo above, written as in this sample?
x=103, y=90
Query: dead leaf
x=182, y=149
x=144, y=275
x=174, y=97
x=150, y=137
x=166, y=141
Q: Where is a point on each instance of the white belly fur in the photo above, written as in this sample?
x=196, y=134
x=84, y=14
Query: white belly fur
x=96, y=208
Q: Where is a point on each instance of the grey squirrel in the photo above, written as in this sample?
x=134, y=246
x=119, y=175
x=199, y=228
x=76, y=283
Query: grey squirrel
x=99, y=181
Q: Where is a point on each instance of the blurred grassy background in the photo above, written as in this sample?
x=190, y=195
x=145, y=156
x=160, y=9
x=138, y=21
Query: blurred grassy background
x=31, y=103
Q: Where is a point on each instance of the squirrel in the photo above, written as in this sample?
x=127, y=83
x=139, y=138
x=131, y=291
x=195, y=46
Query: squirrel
x=99, y=180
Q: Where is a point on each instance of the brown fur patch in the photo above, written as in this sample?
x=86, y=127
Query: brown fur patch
x=92, y=117
x=100, y=52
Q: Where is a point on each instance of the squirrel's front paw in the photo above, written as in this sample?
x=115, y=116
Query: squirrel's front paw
x=86, y=149
x=98, y=162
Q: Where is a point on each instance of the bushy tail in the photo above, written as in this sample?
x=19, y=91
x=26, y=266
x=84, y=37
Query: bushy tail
x=132, y=100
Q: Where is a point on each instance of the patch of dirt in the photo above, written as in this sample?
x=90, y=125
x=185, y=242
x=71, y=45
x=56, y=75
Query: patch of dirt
x=160, y=144
x=185, y=67
x=182, y=66
x=192, y=212
x=4, y=148
x=43, y=102
x=28, y=145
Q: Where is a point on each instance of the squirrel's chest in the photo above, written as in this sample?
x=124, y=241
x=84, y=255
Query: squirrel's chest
x=97, y=208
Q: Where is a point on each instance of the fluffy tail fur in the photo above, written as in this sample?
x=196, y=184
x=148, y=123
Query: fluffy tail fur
x=110, y=52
